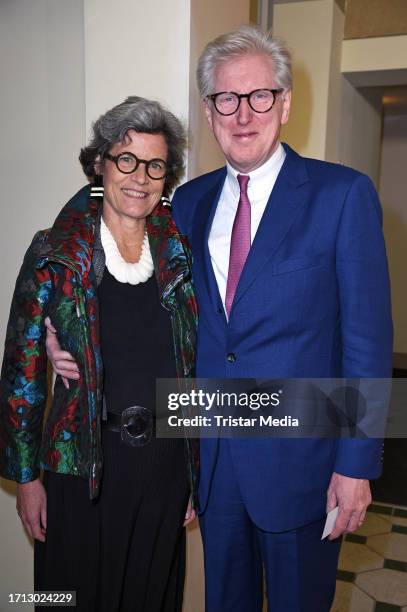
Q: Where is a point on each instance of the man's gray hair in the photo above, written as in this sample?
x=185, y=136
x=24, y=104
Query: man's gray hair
x=246, y=40
x=144, y=116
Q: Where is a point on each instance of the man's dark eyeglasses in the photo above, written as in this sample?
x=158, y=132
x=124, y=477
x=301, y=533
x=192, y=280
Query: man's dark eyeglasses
x=260, y=100
x=127, y=163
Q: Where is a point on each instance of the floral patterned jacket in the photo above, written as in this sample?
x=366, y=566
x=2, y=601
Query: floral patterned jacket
x=57, y=280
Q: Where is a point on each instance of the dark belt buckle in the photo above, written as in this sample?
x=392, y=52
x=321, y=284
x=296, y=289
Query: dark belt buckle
x=136, y=426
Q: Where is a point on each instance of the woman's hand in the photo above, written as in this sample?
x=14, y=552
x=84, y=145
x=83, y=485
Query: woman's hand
x=32, y=508
x=62, y=362
x=190, y=514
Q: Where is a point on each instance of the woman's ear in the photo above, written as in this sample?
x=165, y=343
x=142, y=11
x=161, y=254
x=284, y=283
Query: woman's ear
x=97, y=190
x=98, y=165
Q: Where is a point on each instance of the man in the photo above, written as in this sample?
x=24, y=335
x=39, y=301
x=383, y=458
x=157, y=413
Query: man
x=291, y=279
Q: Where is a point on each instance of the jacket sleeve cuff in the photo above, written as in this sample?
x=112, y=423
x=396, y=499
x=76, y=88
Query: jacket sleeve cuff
x=19, y=475
x=360, y=458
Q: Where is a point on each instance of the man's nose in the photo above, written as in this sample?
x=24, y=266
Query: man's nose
x=244, y=112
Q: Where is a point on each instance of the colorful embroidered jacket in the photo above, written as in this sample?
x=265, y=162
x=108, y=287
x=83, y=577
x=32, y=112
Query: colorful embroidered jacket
x=57, y=280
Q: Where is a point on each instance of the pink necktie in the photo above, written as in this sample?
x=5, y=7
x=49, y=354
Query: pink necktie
x=239, y=242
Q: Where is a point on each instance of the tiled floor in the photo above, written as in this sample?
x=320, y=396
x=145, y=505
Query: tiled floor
x=372, y=575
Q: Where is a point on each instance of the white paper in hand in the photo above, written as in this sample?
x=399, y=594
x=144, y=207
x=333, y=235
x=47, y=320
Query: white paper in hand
x=330, y=522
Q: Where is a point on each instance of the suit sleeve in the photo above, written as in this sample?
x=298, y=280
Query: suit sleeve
x=23, y=385
x=177, y=212
x=366, y=325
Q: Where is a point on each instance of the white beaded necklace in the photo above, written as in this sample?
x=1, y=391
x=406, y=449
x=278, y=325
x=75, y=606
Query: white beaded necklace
x=124, y=271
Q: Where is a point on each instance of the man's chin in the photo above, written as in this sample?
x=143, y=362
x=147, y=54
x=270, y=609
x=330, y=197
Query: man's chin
x=245, y=164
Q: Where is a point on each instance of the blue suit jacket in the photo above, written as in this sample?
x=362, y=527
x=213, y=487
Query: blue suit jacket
x=313, y=300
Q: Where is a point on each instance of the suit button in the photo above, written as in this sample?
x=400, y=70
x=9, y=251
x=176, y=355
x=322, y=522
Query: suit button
x=231, y=357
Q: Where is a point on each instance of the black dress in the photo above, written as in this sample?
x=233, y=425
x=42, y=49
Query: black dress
x=125, y=551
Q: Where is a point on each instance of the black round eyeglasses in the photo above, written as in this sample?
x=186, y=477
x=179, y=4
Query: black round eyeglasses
x=260, y=100
x=127, y=163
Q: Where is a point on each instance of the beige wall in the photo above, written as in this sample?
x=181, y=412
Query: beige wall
x=42, y=128
x=367, y=66
x=335, y=87
x=313, y=31
x=360, y=129
x=373, y=62
x=382, y=53
x=393, y=190
x=135, y=48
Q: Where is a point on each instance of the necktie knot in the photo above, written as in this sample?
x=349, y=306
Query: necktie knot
x=243, y=180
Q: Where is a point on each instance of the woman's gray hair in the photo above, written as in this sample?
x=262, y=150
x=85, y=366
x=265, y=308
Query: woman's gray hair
x=246, y=40
x=144, y=116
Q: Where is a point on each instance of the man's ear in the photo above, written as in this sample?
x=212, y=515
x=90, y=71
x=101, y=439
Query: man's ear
x=286, y=106
x=208, y=112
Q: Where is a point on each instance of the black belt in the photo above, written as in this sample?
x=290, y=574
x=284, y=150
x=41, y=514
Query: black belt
x=134, y=424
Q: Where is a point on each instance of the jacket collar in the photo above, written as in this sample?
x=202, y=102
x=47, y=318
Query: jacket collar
x=71, y=241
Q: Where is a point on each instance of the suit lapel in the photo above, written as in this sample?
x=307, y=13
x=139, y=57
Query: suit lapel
x=206, y=208
x=285, y=202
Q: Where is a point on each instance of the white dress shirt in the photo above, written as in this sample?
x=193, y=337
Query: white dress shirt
x=260, y=186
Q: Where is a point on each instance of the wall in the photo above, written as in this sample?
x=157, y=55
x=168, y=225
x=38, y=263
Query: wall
x=335, y=87
x=308, y=27
x=393, y=190
x=385, y=18
x=375, y=61
x=136, y=49
x=43, y=126
x=360, y=129
x=367, y=66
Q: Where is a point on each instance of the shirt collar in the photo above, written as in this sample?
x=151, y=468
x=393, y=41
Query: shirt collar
x=265, y=172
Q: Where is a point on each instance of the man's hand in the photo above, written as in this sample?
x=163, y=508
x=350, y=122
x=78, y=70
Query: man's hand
x=32, y=508
x=62, y=362
x=353, y=496
x=190, y=514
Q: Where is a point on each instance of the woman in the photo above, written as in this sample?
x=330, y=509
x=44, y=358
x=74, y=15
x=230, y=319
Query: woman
x=113, y=277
